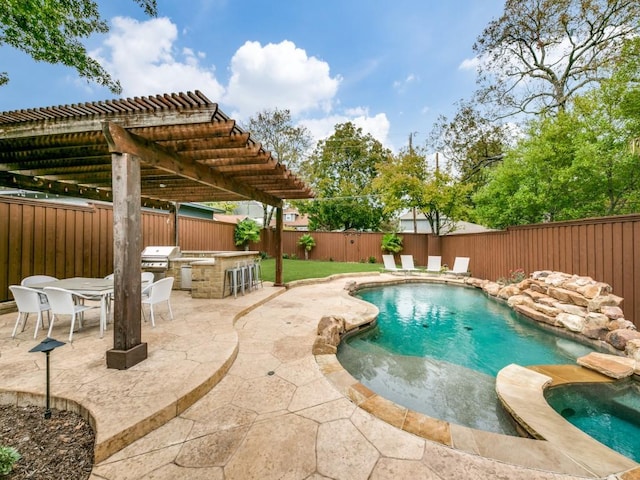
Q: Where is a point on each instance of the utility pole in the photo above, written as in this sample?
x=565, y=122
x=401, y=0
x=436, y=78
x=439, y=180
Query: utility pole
x=415, y=219
x=437, y=222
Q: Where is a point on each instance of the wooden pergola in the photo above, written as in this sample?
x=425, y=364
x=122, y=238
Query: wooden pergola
x=147, y=151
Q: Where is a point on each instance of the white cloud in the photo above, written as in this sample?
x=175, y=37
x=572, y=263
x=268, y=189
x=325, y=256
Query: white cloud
x=378, y=126
x=402, y=85
x=356, y=111
x=142, y=56
x=469, y=64
x=146, y=60
x=279, y=75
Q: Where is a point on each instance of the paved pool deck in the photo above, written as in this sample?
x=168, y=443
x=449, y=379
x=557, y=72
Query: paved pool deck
x=231, y=390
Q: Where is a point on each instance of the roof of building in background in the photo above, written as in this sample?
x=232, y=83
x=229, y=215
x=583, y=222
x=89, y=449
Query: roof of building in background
x=227, y=218
x=406, y=225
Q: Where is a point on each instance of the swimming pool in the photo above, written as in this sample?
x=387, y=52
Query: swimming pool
x=609, y=412
x=437, y=348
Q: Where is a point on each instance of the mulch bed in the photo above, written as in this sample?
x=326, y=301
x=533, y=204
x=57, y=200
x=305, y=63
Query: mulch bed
x=60, y=447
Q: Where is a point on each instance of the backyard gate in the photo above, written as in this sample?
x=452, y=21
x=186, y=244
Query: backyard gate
x=352, y=246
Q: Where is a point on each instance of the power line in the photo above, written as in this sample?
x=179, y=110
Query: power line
x=372, y=195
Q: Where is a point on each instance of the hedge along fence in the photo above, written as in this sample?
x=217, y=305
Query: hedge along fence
x=69, y=240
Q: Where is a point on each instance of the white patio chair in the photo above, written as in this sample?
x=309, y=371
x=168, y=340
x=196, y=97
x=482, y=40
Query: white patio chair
x=390, y=263
x=35, y=279
x=65, y=302
x=109, y=298
x=460, y=266
x=147, y=279
x=28, y=300
x=434, y=264
x=407, y=264
x=158, y=292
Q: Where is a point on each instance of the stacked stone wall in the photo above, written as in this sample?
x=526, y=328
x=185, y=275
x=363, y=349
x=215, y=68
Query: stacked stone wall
x=577, y=304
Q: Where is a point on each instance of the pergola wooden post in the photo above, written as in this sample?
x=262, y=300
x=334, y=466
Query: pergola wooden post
x=128, y=349
x=279, y=227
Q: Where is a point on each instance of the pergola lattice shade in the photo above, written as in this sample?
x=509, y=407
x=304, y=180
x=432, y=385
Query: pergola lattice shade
x=190, y=152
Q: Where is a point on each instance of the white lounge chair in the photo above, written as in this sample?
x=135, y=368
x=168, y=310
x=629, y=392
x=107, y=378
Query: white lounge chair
x=434, y=264
x=407, y=264
x=390, y=264
x=460, y=266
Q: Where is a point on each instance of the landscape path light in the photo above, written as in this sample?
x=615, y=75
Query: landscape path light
x=46, y=346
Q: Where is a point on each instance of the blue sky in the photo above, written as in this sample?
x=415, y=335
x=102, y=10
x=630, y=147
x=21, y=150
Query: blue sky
x=391, y=67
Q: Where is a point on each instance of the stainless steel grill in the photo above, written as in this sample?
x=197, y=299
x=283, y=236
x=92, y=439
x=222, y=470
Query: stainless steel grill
x=156, y=259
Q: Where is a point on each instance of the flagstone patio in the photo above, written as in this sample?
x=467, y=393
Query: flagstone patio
x=231, y=390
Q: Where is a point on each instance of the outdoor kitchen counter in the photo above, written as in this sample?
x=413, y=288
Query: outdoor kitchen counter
x=208, y=273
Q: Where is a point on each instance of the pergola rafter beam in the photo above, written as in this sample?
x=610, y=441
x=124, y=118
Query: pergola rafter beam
x=66, y=189
x=121, y=141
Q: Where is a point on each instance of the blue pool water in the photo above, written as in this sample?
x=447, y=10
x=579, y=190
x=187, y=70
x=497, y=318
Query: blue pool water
x=437, y=349
x=609, y=412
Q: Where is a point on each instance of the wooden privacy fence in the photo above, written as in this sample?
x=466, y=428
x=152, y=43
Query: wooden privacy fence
x=70, y=240
x=605, y=249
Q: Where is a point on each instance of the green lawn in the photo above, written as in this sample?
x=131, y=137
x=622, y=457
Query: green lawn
x=301, y=269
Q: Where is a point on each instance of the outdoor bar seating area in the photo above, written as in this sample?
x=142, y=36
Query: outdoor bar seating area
x=215, y=274
x=207, y=273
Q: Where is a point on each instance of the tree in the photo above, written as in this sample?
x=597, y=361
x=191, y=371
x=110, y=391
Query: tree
x=471, y=142
x=341, y=171
x=627, y=73
x=288, y=144
x=407, y=182
x=51, y=31
x=573, y=165
x=608, y=121
x=228, y=207
x=540, y=53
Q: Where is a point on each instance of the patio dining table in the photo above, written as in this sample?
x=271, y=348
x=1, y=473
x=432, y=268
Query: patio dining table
x=92, y=287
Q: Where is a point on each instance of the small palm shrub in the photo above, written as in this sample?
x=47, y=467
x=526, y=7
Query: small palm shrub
x=392, y=243
x=307, y=242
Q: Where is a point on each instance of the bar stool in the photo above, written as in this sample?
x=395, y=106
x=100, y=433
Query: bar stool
x=243, y=275
x=257, y=273
x=249, y=274
x=234, y=277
